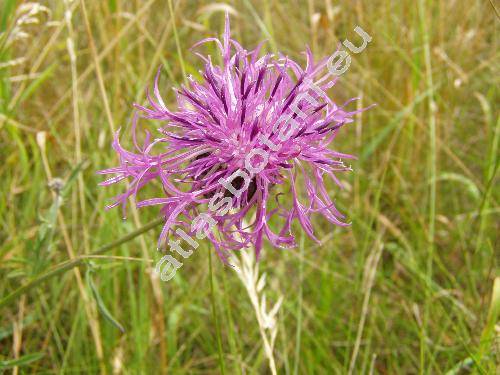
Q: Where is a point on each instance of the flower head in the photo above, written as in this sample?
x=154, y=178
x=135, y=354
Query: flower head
x=250, y=125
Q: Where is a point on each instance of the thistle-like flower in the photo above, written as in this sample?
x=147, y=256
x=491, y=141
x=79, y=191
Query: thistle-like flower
x=253, y=123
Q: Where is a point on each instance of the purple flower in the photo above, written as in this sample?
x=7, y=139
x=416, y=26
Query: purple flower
x=249, y=125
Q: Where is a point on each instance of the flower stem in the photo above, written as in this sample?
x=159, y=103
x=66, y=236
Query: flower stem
x=77, y=261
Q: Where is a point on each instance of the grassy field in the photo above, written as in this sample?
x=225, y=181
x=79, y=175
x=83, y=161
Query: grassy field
x=408, y=288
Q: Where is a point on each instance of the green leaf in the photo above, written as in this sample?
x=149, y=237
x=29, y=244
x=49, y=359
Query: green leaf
x=6, y=9
x=471, y=186
x=100, y=304
x=24, y=360
x=399, y=116
x=112, y=5
x=33, y=86
x=71, y=178
x=461, y=366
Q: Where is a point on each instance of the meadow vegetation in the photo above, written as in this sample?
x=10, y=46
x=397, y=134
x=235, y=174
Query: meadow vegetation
x=408, y=288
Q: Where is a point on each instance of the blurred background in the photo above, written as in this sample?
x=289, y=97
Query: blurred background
x=408, y=288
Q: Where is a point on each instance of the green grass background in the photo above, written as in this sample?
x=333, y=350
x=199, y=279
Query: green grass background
x=407, y=289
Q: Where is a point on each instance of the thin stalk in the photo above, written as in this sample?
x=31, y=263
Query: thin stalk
x=177, y=42
x=77, y=261
x=432, y=178
x=233, y=341
x=298, y=333
x=100, y=79
x=214, y=313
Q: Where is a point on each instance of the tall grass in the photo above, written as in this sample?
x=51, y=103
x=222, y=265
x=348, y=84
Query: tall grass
x=408, y=288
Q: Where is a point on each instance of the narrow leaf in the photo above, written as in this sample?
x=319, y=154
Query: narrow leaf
x=100, y=304
x=24, y=360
